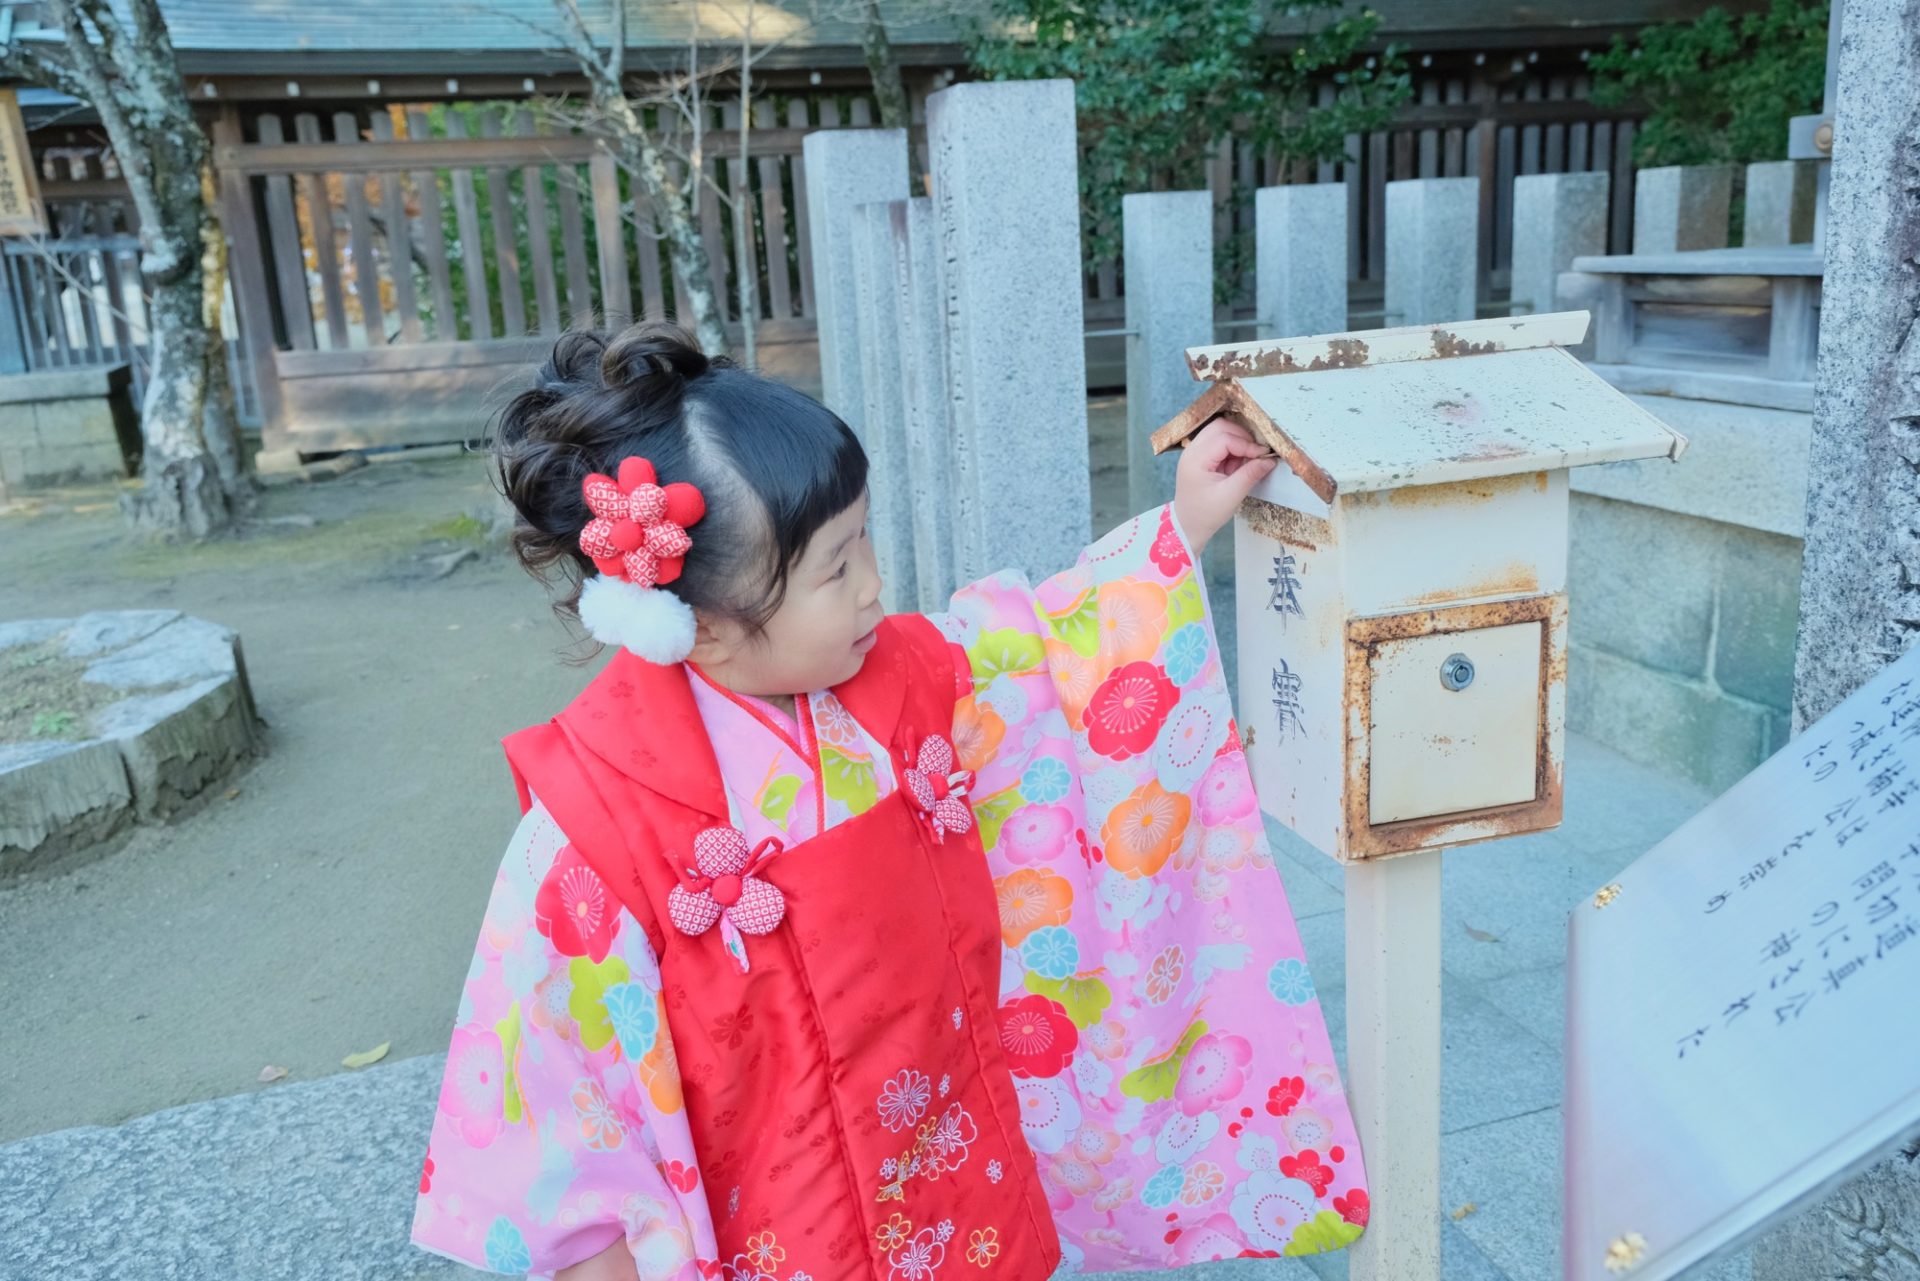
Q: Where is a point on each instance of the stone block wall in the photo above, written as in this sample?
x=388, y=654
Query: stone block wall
x=66, y=425
x=1685, y=582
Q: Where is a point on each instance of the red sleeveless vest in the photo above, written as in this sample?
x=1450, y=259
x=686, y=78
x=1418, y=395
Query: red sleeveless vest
x=848, y=1093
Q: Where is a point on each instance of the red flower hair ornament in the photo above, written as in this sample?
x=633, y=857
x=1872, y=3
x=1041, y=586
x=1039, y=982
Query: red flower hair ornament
x=638, y=541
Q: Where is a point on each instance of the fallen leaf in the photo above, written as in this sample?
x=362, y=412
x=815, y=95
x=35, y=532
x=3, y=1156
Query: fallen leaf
x=374, y=1055
x=1481, y=936
x=233, y=793
x=1464, y=1211
x=453, y=627
x=269, y=1074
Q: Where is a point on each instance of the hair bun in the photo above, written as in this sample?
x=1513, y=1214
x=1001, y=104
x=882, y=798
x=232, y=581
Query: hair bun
x=655, y=357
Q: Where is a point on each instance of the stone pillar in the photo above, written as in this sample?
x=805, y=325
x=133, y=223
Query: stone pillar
x=923, y=385
x=1858, y=605
x=877, y=304
x=1681, y=207
x=1557, y=217
x=1168, y=259
x=1005, y=164
x=1781, y=197
x=1432, y=226
x=1300, y=259
x=846, y=168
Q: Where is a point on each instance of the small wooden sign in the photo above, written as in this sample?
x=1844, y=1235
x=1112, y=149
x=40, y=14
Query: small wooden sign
x=21, y=213
x=1741, y=1027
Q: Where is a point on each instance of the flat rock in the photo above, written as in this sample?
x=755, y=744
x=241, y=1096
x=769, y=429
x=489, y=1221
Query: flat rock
x=174, y=744
x=306, y=1181
x=55, y=801
x=179, y=653
x=31, y=631
x=105, y=630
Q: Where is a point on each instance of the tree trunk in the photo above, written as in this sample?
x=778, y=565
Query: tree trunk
x=888, y=90
x=182, y=491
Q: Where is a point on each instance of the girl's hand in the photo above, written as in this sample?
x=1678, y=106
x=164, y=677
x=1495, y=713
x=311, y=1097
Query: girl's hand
x=1217, y=468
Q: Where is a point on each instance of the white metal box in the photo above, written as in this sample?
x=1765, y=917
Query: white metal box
x=1401, y=578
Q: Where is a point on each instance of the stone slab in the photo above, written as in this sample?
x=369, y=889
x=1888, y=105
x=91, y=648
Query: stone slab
x=1168, y=260
x=1300, y=259
x=1745, y=465
x=1005, y=159
x=923, y=386
x=1642, y=583
x=190, y=649
x=877, y=304
x=1677, y=208
x=1669, y=722
x=1431, y=230
x=105, y=630
x=1780, y=199
x=298, y=1182
x=1759, y=618
x=846, y=168
x=1556, y=218
x=63, y=384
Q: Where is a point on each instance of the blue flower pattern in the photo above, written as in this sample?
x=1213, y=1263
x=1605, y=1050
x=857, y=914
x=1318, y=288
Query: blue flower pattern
x=1290, y=982
x=506, y=1248
x=1046, y=781
x=1163, y=1187
x=1052, y=953
x=630, y=1008
x=1186, y=653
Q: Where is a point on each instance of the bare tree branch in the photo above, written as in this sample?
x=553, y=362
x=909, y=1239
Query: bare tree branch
x=37, y=67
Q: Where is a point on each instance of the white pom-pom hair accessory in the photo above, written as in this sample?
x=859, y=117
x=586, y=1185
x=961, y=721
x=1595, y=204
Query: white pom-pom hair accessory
x=638, y=541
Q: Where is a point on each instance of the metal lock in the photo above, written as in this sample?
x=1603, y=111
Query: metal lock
x=1457, y=672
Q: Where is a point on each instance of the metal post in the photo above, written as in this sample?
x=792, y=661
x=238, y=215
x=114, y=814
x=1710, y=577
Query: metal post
x=1393, y=1061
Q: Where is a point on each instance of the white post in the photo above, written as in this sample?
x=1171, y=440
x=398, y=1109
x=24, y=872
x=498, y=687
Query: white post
x=1557, y=217
x=1393, y=1061
x=1781, y=195
x=1681, y=207
x=1431, y=229
x=1168, y=253
x=1300, y=259
x=923, y=386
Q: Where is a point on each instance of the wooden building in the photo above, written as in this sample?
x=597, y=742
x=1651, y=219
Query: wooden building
x=361, y=135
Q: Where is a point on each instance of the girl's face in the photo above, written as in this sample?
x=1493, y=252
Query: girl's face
x=823, y=629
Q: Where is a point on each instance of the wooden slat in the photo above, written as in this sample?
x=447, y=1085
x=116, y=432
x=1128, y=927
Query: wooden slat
x=473, y=260
x=647, y=246
x=62, y=346
x=506, y=238
x=746, y=243
x=366, y=269
x=773, y=206
x=283, y=236
x=829, y=113
x=533, y=188
x=80, y=268
x=712, y=233
x=679, y=308
x=860, y=112
x=610, y=235
x=1485, y=161
x=803, y=240
x=1622, y=187
x=1554, y=156
x=1530, y=135
x=247, y=273
x=393, y=212
x=120, y=268
x=1376, y=206
x=433, y=240
x=1429, y=160
x=573, y=240
x=320, y=227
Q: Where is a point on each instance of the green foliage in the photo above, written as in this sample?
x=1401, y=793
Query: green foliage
x=52, y=724
x=1158, y=84
x=1720, y=89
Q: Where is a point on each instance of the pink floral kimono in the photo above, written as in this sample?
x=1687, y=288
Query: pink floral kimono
x=1175, y=1084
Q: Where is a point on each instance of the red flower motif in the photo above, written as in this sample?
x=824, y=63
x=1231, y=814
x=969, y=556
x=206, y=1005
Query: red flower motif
x=732, y=1030
x=683, y=1177
x=639, y=530
x=937, y=790
x=1037, y=1035
x=426, y=1175
x=1126, y=712
x=1307, y=1167
x=1168, y=552
x=574, y=909
x=1282, y=1097
x=722, y=883
x=1353, y=1206
x=1090, y=854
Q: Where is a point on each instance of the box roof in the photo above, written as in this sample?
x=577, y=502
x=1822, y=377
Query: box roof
x=1461, y=411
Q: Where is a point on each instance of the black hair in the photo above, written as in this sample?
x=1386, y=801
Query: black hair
x=773, y=463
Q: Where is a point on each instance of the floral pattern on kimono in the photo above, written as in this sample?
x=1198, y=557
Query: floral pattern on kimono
x=1176, y=1083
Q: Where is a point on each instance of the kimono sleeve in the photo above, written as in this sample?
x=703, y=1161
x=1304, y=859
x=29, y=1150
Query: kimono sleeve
x=1177, y=1085
x=559, y=1128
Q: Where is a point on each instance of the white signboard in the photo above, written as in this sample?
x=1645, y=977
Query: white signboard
x=21, y=213
x=1743, y=1026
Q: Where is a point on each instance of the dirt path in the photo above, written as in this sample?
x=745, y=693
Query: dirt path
x=332, y=903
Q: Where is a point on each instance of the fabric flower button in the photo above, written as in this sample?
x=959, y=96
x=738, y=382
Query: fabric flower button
x=937, y=789
x=639, y=529
x=722, y=888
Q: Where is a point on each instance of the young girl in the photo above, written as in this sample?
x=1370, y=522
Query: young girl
x=839, y=946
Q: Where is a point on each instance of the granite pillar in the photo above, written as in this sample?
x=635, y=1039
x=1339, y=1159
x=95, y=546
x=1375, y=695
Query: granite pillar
x=1557, y=217
x=877, y=304
x=846, y=168
x=1681, y=207
x=1300, y=259
x=1168, y=257
x=1781, y=196
x=1432, y=228
x=923, y=386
